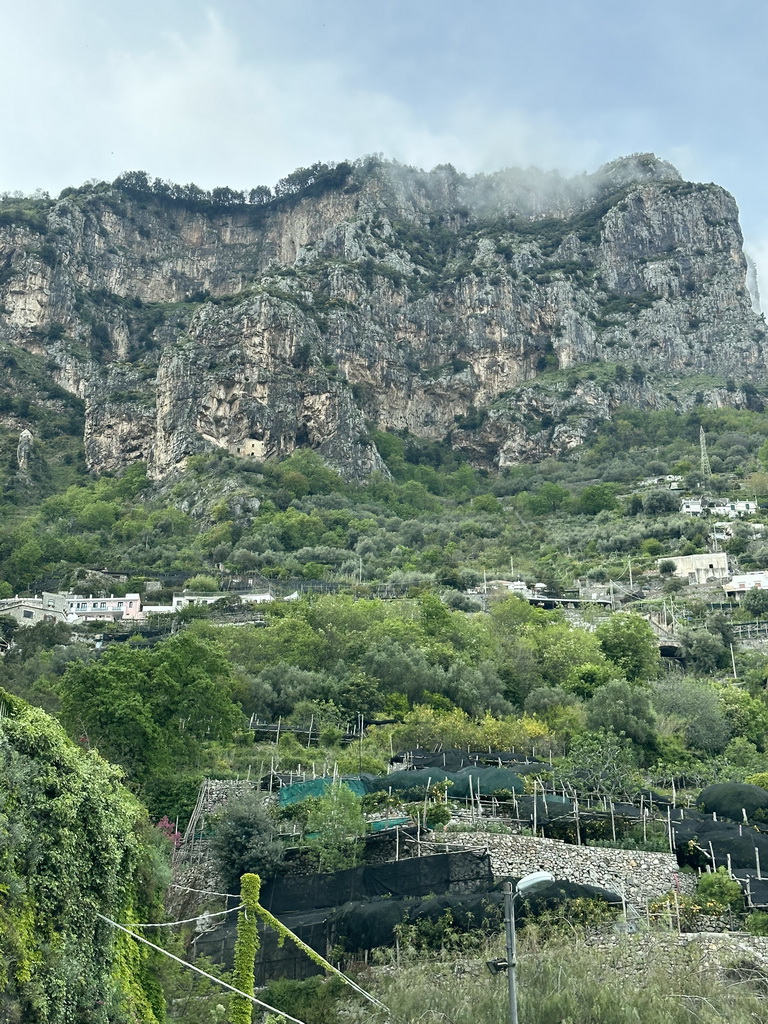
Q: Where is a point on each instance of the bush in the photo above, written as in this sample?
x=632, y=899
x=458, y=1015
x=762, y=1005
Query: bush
x=757, y=923
x=720, y=889
x=244, y=841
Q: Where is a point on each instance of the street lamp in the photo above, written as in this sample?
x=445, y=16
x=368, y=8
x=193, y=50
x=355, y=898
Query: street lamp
x=528, y=884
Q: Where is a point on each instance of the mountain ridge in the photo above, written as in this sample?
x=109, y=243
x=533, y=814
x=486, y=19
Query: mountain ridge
x=371, y=295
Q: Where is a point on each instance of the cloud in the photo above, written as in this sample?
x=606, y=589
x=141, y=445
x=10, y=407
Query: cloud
x=201, y=105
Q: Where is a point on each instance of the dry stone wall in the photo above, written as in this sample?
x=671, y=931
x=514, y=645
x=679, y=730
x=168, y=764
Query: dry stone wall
x=636, y=875
x=632, y=956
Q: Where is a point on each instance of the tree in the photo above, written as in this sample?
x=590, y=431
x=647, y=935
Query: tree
x=755, y=602
x=338, y=820
x=692, y=708
x=149, y=709
x=596, y=498
x=630, y=643
x=601, y=763
x=623, y=709
x=747, y=716
x=8, y=626
x=702, y=652
x=202, y=585
x=245, y=840
x=660, y=503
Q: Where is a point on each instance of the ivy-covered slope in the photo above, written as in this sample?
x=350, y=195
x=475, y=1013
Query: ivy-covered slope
x=73, y=844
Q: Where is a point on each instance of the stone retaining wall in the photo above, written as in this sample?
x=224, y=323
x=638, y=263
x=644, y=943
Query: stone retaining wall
x=636, y=875
x=631, y=956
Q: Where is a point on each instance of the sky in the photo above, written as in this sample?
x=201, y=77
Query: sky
x=241, y=92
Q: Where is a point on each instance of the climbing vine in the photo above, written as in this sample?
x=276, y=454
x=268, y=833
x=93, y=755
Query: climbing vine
x=246, y=947
x=73, y=843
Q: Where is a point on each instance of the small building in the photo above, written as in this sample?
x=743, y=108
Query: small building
x=671, y=480
x=28, y=611
x=184, y=600
x=249, y=448
x=100, y=609
x=738, y=585
x=735, y=508
x=693, y=507
x=700, y=568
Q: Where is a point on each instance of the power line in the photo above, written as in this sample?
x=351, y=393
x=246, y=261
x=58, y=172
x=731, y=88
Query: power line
x=198, y=970
x=188, y=920
x=207, y=892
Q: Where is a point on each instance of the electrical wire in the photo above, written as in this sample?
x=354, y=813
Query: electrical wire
x=207, y=892
x=188, y=920
x=198, y=970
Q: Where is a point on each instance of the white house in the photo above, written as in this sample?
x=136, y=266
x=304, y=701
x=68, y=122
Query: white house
x=99, y=609
x=700, y=568
x=693, y=507
x=28, y=611
x=734, y=508
x=745, y=581
x=184, y=600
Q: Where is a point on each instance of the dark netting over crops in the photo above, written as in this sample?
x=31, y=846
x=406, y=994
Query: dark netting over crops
x=418, y=876
x=273, y=960
x=359, y=926
x=366, y=924
x=733, y=799
x=699, y=838
x=464, y=782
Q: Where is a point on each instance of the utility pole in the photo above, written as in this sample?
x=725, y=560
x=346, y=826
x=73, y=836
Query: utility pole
x=509, y=928
x=629, y=560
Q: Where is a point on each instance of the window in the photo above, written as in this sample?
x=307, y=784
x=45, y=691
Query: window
x=120, y=604
x=27, y=615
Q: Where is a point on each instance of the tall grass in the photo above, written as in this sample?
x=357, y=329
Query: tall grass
x=565, y=981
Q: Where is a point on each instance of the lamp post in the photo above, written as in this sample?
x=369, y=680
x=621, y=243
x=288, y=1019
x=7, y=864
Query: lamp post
x=528, y=884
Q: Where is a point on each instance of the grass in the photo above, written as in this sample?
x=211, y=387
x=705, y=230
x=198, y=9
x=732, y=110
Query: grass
x=565, y=981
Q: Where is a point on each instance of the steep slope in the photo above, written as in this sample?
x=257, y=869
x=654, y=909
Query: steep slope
x=376, y=294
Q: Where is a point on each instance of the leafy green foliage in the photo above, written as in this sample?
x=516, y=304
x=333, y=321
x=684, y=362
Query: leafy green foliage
x=720, y=889
x=244, y=841
x=73, y=843
x=630, y=643
x=337, y=819
x=149, y=709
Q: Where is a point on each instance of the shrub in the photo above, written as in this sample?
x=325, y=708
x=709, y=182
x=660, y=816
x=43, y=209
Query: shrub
x=757, y=923
x=244, y=841
x=721, y=890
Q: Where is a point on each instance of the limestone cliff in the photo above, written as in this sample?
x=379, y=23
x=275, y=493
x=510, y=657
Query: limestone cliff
x=376, y=294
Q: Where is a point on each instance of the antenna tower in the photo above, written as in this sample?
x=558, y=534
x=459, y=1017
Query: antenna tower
x=706, y=469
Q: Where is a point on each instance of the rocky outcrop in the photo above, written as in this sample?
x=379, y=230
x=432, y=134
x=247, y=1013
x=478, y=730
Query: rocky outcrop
x=23, y=450
x=426, y=302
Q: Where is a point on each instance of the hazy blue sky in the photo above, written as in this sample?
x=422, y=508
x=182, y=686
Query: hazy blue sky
x=240, y=92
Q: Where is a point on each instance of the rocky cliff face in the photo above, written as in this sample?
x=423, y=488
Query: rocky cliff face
x=476, y=308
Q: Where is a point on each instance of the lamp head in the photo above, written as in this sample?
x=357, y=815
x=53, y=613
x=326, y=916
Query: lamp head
x=536, y=880
x=497, y=965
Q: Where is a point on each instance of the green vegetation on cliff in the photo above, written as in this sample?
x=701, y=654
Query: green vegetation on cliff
x=74, y=843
